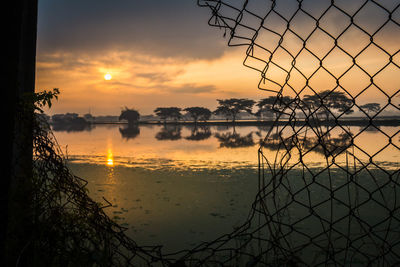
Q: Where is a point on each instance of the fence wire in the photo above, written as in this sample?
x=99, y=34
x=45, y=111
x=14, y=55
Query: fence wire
x=327, y=196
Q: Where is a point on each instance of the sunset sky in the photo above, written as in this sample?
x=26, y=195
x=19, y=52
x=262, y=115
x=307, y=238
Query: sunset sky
x=163, y=53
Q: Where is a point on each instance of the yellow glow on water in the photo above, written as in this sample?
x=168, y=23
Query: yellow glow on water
x=110, y=158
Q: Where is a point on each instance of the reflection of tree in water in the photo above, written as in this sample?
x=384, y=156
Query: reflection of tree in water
x=234, y=140
x=130, y=132
x=370, y=128
x=276, y=141
x=169, y=132
x=199, y=133
x=223, y=127
x=261, y=129
x=325, y=144
x=72, y=127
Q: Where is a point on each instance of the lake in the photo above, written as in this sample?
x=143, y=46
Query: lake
x=178, y=186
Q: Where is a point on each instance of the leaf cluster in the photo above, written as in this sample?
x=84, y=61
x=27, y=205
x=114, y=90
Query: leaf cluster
x=44, y=98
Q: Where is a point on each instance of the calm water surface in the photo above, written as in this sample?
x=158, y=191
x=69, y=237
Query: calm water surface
x=179, y=186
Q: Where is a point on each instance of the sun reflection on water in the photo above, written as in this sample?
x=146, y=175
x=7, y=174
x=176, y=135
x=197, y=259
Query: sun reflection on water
x=110, y=158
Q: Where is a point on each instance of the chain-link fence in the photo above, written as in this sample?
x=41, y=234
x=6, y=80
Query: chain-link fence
x=329, y=177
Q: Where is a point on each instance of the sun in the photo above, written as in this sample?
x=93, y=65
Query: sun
x=107, y=77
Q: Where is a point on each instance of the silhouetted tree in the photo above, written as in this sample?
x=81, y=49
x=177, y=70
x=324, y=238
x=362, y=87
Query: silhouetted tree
x=273, y=105
x=231, y=107
x=371, y=107
x=198, y=113
x=131, y=115
x=326, y=102
x=171, y=112
x=69, y=122
x=264, y=111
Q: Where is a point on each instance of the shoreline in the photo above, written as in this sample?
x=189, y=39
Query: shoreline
x=299, y=122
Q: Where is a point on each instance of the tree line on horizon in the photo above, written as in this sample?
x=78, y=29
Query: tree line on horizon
x=322, y=104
